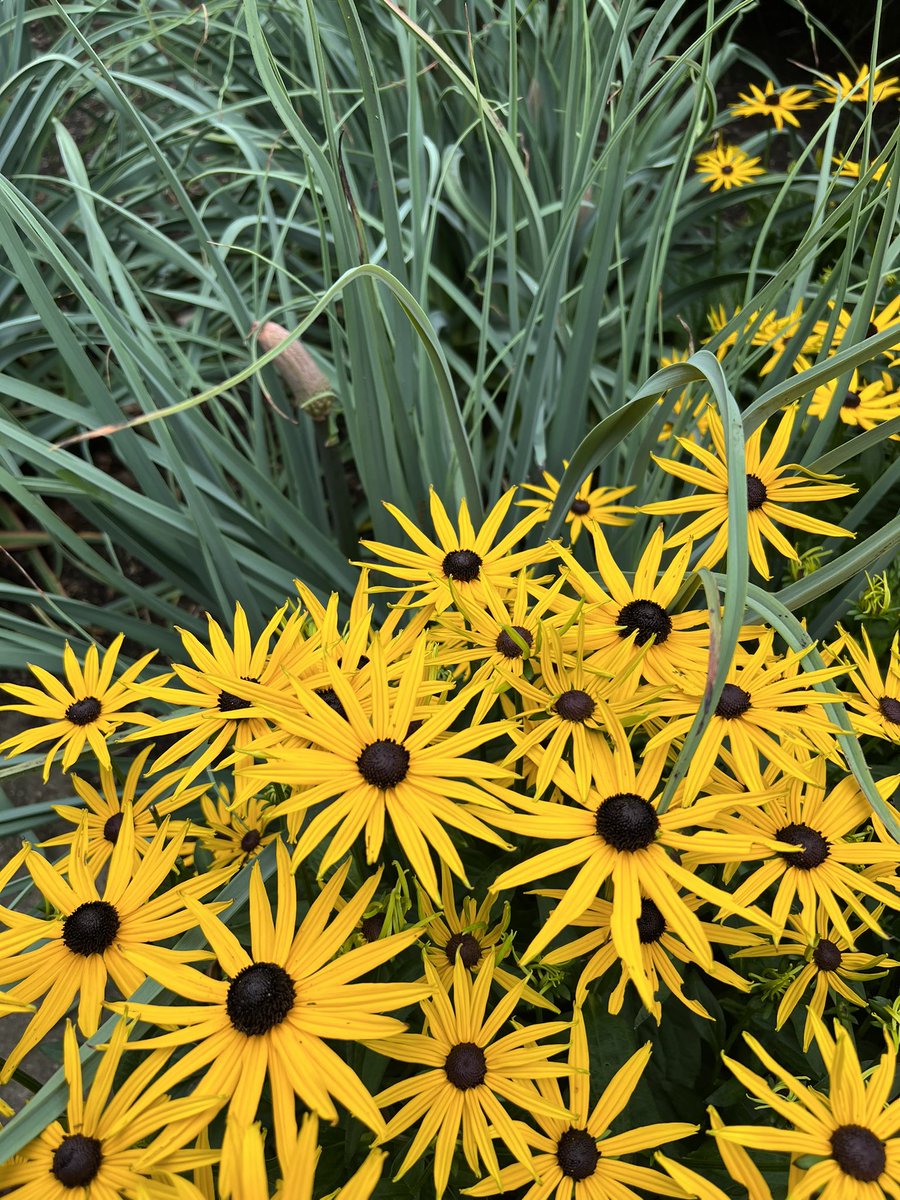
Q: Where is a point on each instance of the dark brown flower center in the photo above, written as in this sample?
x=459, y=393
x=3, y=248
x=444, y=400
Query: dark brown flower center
x=873, y=330
x=826, y=955
x=76, y=1160
x=465, y=1066
x=773, y=100
x=851, y=400
x=858, y=1152
x=84, y=712
x=756, y=493
x=579, y=507
x=384, y=763
x=627, y=821
x=466, y=947
x=259, y=998
x=727, y=169
x=250, y=840
x=333, y=700
x=507, y=644
x=577, y=1154
x=91, y=928
x=228, y=702
x=889, y=707
x=733, y=702
x=651, y=923
x=647, y=617
x=371, y=927
x=462, y=565
x=814, y=848
x=112, y=827
x=574, y=705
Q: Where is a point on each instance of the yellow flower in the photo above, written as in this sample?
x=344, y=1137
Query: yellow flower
x=234, y=835
x=769, y=489
x=87, y=711
x=591, y=508
x=853, y=170
x=470, y=1070
x=779, y=105
x=578, y=1158
x=875, y=706
x=863, y=405
x=727, y=167
x=860, y=89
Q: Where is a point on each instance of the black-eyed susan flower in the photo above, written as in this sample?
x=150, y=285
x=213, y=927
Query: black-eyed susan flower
x=816, y=868
x=874, y=706
x=769, y=489
x=113, y=1142
x=84, y=710
x=853, y=170
x=727, y=167
x=85, y=943
x=688, y=410
x=466, y=932
x=105, y=809
x=277, y=1003
x=591, y=508
x=849, y=1134
x=880, y=321
x=234, y=834
x=244, y=1177
x=464, y=561
x=859, y=90
x=781, y=104
x=767, y=708
x=863, y=405
x=665, y=644
x=618, y=833
x=373, y=768
x=577, y=1158
x=472, y=1069
x=661, y=952
x=217, y=719
x=829, y=966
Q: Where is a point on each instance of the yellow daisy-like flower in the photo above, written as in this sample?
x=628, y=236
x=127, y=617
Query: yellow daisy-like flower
x=85, y=712
x=591, y=508
x=463, y=561
x=246, y=1158
x=781, y=105
x=113, y=1143
x=727, y=167
x=853, y=170
x=874, y=708
x=860, y=89
x=577, y=1157
x=851, y=1132
x=373, y=768
x=863, y=405
x=879, y=322
x=618, y=833
x=688, y=410
x=106, y=810
x=270, y=1015
x=661, y=951
x=766, y=707
x=828, y=963
x=769, y=489
x=466, y=933
x=471, y=1069
x=234, y=835
x=75, y=952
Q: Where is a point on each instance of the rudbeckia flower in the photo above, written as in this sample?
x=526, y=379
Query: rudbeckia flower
x=277, y=1003
x=85, y=712
x=875, y=706
x=463, y=561
x=850, y=1133
x=591, y=508
x=112, y=1143
x=233, y=834
x=779, y=104
x=578, y=1158
x=688, y=410
x=863, y=405
x=769, y=489
x=471, y=1070
x=860, y=89
x=76, y=951
x=727, y=167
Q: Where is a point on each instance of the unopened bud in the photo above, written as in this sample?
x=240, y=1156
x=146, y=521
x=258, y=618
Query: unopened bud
x=309, y=388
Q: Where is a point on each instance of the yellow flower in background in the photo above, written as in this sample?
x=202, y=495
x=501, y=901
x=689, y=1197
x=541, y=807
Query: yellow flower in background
x=591, y=508
x=688, y=411
x=578, y=1158
x=849, y=1133
x=233, y=834
x=471, y=1070
x=769, y=489
x=829, y=964
x=853, y=170
x=85, y=712
x=113, y=1143
x=464, y=561
x=780, y=105
x=727, y=167
x=859, y=90
x=874, y=708
x=863, y=405
x=269, y=1017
